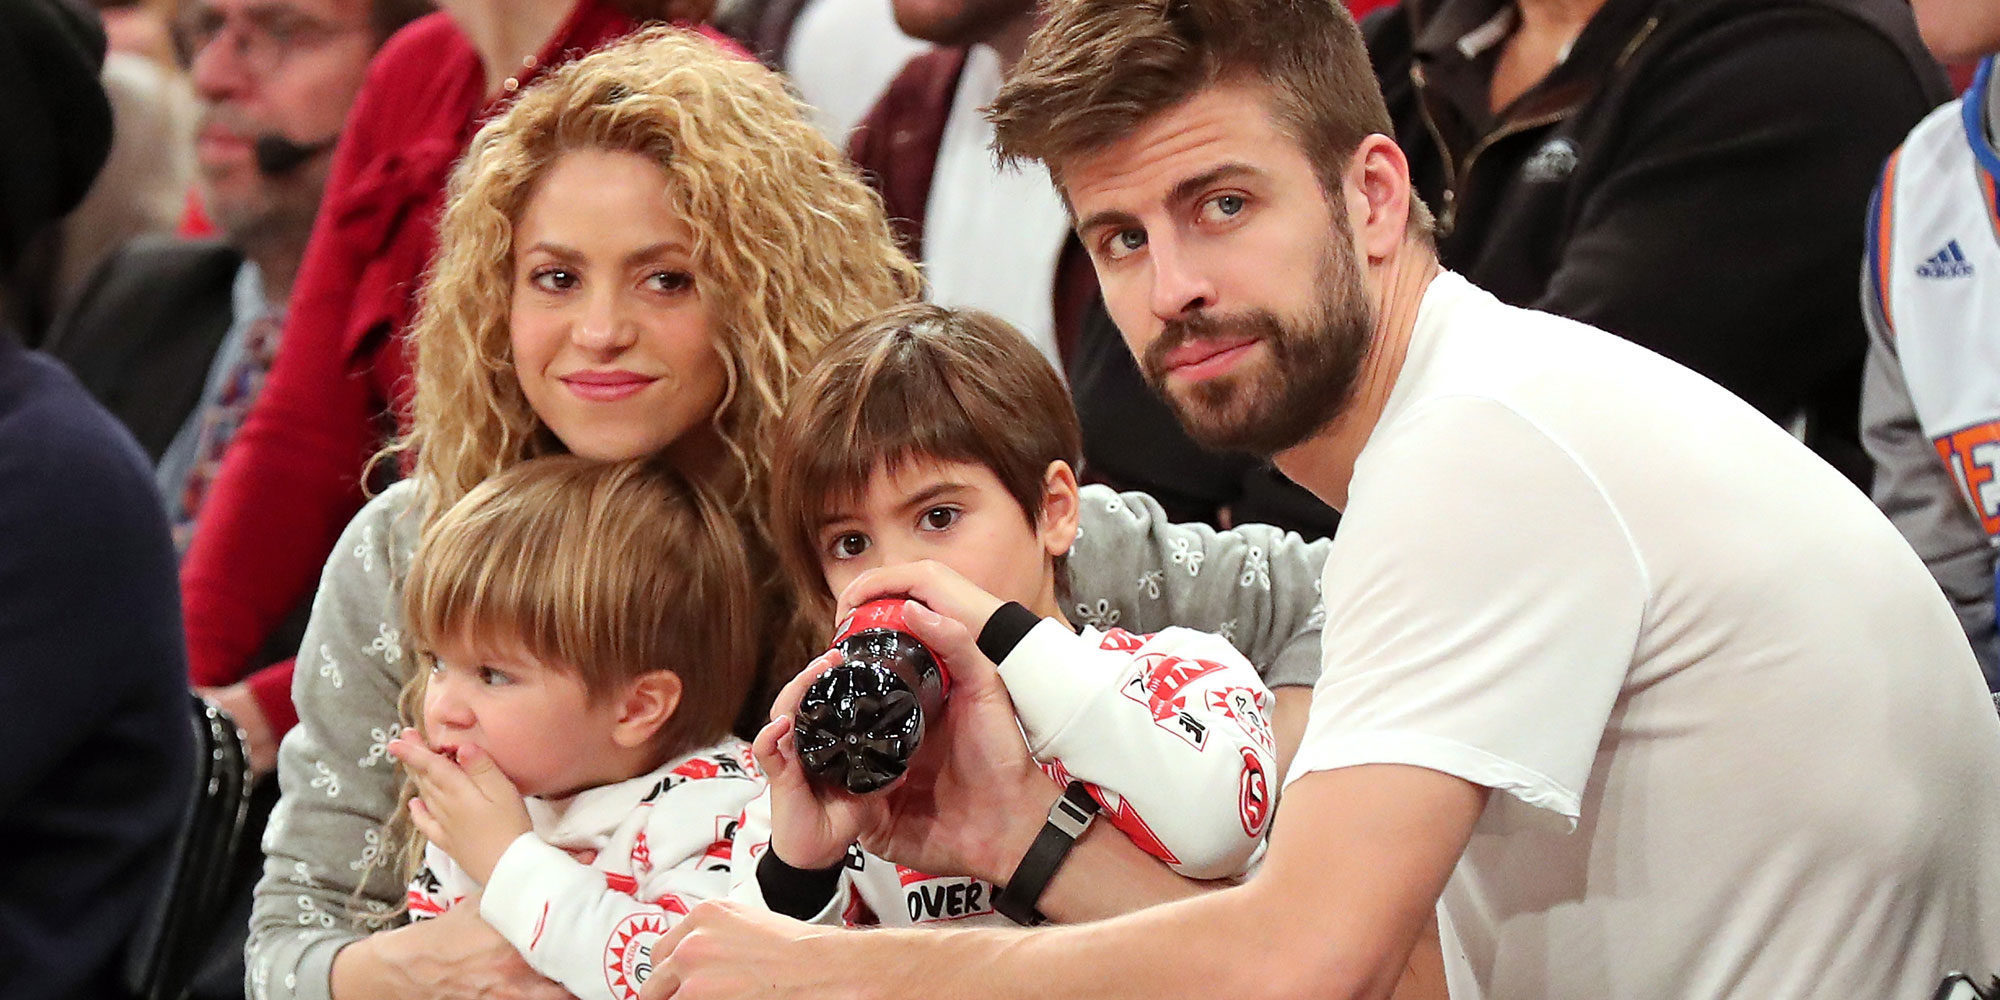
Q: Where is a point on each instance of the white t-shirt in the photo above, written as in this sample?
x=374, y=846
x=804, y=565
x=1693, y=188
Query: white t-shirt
x=992, y=236
x=1738, y=744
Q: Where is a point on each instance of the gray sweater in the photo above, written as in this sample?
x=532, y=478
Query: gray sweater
x=329, y=874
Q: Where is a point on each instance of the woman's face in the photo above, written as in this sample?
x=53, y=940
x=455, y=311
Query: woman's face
x=612, y=336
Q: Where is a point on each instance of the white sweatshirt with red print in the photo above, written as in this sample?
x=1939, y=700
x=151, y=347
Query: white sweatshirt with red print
x=607, y=870
x=1171, y=732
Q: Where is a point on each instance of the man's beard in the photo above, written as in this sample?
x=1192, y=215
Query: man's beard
x=1272, y=404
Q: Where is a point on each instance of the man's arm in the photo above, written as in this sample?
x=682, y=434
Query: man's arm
x=1346, y=892
x=1254, y=585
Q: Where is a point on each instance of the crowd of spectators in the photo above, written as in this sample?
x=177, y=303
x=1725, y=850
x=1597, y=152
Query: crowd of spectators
x=244, y=284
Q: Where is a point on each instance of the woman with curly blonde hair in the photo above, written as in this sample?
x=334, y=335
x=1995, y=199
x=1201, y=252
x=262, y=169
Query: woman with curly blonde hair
x=638, y=257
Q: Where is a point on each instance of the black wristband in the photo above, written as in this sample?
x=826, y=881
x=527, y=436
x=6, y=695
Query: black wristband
x=1010, y=623
x=799, y=893
x=1068, y=818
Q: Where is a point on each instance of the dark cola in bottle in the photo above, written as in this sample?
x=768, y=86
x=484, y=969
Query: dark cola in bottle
x=858, y=724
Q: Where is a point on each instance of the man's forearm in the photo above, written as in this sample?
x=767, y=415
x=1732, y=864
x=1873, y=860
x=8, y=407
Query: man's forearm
x=1165, y=952
x=1107, y=875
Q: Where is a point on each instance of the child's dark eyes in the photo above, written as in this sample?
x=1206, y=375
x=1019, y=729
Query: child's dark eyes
x=940, y=518
x=847, y=545
x=494, y=678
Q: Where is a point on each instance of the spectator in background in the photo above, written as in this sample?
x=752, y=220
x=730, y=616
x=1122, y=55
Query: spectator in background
x=1683, y=173
x=999, y=240
x=144, y=183
x=94, y=723
x=175, y=338
x=839, y=54
x=338, y=383
x=1930, y=404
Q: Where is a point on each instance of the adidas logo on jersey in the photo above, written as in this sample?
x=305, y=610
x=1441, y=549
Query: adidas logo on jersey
x=1949, y=262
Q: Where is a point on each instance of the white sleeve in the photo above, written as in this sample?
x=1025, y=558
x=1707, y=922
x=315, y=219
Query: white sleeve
x=1171, y=729
x=593, y=930
x=1482, y=612
x=440, y=885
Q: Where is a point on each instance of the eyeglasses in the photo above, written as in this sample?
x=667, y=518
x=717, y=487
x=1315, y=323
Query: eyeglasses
x=264, y=36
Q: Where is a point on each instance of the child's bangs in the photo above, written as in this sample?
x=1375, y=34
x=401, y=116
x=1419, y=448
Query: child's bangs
x=916, y=416
x=524, y=579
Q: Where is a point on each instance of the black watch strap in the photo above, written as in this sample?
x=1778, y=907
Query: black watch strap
x=1068, y=818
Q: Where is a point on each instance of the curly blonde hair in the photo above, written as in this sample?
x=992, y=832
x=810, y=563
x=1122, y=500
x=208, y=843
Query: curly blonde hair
x=790, y=247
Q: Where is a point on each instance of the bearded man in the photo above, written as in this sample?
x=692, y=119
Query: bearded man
x=1634, y=691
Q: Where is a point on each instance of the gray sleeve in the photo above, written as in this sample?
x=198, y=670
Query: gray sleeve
x=330, y=870
x=1918, y=493
x=1254, y=585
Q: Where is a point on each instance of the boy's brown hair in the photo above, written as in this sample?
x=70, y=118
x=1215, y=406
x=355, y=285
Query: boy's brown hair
x=916, y=383
x=1095, y=70
x=610, y=569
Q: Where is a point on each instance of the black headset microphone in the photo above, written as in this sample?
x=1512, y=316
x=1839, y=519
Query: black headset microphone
x=277, y=155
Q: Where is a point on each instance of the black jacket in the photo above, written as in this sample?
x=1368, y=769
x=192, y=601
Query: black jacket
x=1693, y=177
x=141, y=337
x=93, y=688
x=145, y=328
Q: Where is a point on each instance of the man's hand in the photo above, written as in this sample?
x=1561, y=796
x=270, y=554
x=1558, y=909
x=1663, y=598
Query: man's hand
x=724, y=949
x=973, y=799
x=260, y=744
x=466, y=807
x=457, y=956
x=929, y=583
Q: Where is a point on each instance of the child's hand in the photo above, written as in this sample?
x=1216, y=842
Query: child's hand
x=810, y=827
x=466, y=807
x=929, y=583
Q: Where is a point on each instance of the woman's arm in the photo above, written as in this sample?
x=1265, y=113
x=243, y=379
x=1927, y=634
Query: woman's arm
x=330, y=871
x=1254, y=585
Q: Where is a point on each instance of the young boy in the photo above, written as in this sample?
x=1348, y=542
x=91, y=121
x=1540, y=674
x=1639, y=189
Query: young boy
x=586, y=636
x=1930, y=396
x=939, y=446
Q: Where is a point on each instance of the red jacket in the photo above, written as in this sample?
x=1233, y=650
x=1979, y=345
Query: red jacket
x=291, y=479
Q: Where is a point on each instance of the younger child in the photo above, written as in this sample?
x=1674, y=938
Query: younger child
x=586, y=636
x=935, y=450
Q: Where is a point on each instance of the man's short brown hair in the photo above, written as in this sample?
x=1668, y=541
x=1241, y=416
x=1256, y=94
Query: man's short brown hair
x=914, y=384
x=1095, y=70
